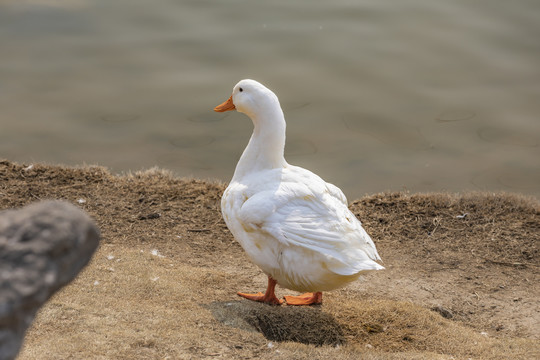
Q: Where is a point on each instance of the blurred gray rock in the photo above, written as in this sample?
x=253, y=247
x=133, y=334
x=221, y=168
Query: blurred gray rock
x=42, y=248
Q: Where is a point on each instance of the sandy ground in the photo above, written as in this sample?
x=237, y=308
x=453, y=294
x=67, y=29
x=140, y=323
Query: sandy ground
x=461, y=278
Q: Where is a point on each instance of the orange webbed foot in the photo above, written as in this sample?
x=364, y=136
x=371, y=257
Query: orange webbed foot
x=268, y=298
x=260, y=297
x=304, y=299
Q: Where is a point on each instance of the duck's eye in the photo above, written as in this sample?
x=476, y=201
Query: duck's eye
x=240, y=89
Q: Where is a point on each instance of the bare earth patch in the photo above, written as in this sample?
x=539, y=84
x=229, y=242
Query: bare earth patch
x=461, y=279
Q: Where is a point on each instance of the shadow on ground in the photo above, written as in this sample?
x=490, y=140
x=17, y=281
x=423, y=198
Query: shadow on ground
x=306, y=325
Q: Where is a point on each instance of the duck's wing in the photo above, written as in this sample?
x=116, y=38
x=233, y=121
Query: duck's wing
x=321, y=222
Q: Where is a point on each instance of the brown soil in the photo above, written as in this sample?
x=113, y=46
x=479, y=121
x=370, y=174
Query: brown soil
x=461, y=278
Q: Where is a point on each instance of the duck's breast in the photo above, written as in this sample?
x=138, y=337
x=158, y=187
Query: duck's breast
x=261, y=248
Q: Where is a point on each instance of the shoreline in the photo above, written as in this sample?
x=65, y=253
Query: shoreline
x=164, y=172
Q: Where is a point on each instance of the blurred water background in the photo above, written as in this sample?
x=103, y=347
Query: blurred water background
x=412, y=95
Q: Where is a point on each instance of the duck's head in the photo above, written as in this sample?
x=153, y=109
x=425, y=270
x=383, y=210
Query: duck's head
x=250, y=97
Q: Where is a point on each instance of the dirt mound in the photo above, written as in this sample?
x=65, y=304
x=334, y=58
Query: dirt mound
x=306, y=325
x=474, y=257
x=461, y=278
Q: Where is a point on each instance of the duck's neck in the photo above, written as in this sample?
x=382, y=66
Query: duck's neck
x=266, y=145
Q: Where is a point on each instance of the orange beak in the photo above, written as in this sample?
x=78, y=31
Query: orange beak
x=226, y=106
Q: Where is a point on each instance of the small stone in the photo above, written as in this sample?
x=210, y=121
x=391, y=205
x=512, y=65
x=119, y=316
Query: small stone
x=155, y=252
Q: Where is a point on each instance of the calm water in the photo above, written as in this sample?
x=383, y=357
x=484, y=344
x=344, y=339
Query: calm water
x=419, y=95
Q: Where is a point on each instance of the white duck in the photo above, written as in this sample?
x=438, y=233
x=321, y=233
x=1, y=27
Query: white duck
x=292, y=224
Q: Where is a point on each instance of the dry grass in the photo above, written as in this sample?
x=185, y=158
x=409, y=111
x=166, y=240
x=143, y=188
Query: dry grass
x=162, y=285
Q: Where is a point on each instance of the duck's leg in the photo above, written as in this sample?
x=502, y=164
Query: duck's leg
x=305, y=299
x=269, y=297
